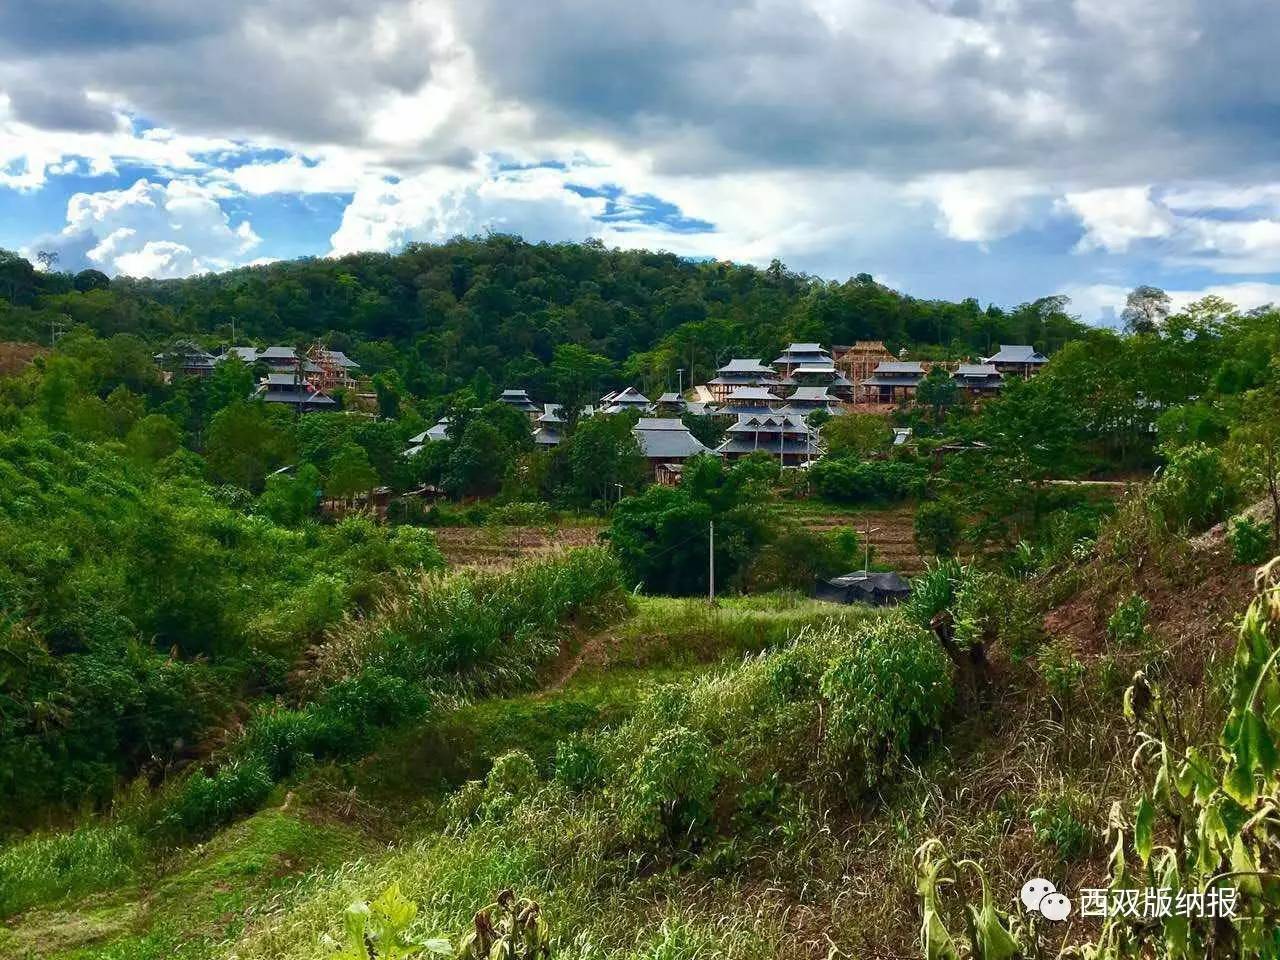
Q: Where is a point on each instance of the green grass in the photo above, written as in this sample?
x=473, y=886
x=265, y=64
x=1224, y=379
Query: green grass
x=47, y=868
x=420, y=766
x=205, y=897
x=668, y=631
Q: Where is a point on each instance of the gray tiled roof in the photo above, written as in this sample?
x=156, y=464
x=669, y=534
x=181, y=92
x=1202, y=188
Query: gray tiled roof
x=899, y=367
x=753, y=393
x=811, y=393
x=667, y=442
x=630, y=397
x=740, y=365
x=1017, y=353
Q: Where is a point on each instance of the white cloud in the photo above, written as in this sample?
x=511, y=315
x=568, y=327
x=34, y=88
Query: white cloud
x=152, y=230
x=444, y=203
x=981, y=206
x=1116, y=217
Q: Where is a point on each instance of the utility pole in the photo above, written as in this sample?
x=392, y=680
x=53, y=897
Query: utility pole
x=711, y=562
x=680, y=375
x=57, y=328
x=866, y=557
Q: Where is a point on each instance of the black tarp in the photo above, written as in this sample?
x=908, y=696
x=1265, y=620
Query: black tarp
x=877, y=589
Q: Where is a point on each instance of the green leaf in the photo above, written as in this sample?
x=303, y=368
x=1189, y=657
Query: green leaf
x=1143, y=827
x=1242, y=863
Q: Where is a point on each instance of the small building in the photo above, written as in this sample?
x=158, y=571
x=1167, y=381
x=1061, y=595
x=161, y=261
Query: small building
x=978, y=379
x=751, y=401
x=548, y=426
x=876, y=589
x=624, y=400
x=279, y=358
x=671, y=403
x=668, y=474
x=741, y=373
x=520, y=400
x=287, y=388
x=332, y=368
x=893, y=381
x=806, y=400
x=666, y=441
x=786, y=437
x=1018, y=360
x=246, y=355
x=188, y=357
x=431, y=435
x=803, y=355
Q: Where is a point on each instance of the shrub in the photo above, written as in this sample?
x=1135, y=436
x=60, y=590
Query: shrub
x=933, y=591
x=885, y=693
x=795, y=558
x=521, y=514
x=1250, y=540
x=203, y=803
x=668, y=792
x=1127, y=624
x=866, y=481
x=578, y=763
x=938, y=527
x=1062, y=672
x=1196, y=489
x=1061, y=828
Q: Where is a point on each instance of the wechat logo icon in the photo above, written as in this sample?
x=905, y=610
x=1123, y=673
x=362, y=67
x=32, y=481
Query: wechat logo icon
x=1042, y=897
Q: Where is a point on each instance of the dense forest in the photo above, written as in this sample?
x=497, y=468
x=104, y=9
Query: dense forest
x=240, y=716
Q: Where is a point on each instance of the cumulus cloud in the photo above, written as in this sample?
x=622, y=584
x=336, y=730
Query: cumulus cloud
x=1196, y=226
x=444, y=203
x=1116, y=217
x=151, y=230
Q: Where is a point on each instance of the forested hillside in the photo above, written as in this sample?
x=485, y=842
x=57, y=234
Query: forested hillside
x=440, y=313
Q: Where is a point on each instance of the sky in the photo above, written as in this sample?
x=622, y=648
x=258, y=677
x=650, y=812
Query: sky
x=998, y=149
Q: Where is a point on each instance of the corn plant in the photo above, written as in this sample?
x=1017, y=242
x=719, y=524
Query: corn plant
x=509, y=929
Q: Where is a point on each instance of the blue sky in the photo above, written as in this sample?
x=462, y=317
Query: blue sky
x=999, y=149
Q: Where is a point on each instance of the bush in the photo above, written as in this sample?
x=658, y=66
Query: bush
x=938, y=527
x=795, y=558
x=867, y=481
x=204, y=803
x=1127, y=625
x=578, y=763
x=521, y=514
x=1060, y=827
x=885, y=693
x=668, y=792
x=1062, y=672
x=1250, y=540
x=1196, y=489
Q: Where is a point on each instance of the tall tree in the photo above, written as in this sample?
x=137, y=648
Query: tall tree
x=1145, y=309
